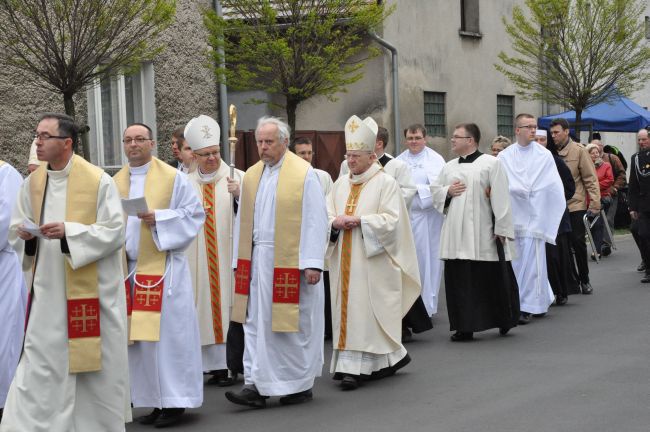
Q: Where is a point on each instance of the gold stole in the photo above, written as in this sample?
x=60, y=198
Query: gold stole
x=82, y=290
x=145, y=305
x=288, y=219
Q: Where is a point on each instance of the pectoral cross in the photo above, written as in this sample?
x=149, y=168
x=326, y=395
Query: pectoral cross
x=147, y=297
x=350, y=207
x=83, y=318
x=285, y=286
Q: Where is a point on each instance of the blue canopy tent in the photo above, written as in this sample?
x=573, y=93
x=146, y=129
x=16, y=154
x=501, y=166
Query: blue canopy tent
x=618, y=115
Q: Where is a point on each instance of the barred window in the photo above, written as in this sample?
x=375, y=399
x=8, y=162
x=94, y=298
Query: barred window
x=434, y=114
x=505, y=115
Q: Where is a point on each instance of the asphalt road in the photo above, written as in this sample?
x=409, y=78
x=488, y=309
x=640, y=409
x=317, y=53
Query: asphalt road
x=582, y=368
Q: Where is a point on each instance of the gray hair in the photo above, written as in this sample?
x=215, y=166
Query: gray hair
x=284, y=132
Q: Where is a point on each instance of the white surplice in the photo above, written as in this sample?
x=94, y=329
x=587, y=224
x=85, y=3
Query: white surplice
x=426, y=222
x=44, y=396
x=284, y=363
x=398, y=170
x=537, y=199
x=13, y=293
x=168, y=373
x=213, y=354
x=325, y=180
x=476, y=215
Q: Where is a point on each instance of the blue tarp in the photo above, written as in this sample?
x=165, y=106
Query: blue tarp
x=618, y=115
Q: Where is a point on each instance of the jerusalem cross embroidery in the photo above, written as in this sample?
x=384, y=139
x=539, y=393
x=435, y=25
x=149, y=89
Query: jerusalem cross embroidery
x=148, y=297
x=83, y=318
x=286, y=285
x=242, y=276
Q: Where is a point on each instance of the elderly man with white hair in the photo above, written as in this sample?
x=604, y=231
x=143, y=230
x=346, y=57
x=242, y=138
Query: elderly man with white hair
x=279, y=248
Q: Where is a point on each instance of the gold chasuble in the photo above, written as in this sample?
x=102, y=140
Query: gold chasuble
x=82, y=292
x=145, y=306
x=288, y=219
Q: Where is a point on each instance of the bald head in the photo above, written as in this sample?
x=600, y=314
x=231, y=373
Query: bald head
x=643, y=140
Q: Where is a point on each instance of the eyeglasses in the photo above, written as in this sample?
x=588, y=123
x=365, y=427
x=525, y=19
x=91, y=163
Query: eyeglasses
x=137, y=140
x=46, y=136
x=457, y=137
x=207, y=155
x=527, y=127
x=414, y=138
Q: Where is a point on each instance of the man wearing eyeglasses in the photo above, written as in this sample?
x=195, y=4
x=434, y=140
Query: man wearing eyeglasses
x=475, y=242
x=209, y=255
x=72, y=373
x=584, y=174
x=165, y=356
x=537, y=199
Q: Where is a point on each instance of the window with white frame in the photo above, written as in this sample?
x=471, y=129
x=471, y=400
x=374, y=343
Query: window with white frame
x=113, y=104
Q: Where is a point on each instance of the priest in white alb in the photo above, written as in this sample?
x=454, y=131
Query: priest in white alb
x=73, y=371
x=280, y=240
x=165, y=353
x=373, y=264
x=537, y=198
x=476, y=239
x=426, y=222
x=13, y=294
x=209, y=255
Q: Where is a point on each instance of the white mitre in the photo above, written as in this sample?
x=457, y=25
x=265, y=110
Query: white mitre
x=201, y=132
x=360, y=135
x=540, y=132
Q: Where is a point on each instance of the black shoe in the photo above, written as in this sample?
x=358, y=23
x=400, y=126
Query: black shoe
x=586, y=288
x=503, y=331
x=646, y=279
x=641, y=267
x=606, y=250
x=168, y=417
x=540, y=315
x=350, y=382
x=462, y=336
x=390, y=370
x=400, y=364
x=149, y=418
x=247, y=397
x=338, y=376
x=297, y=398
x=524, y=318
x=561, y=300
x=220, y=378
x=407, y=336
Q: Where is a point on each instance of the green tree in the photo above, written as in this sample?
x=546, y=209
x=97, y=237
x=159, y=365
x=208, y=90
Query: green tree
x=294, y=48
x=576, y=53
x=66, y=45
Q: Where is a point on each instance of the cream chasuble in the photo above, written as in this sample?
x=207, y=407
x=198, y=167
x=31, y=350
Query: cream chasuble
x=168, y=373
x=13, y=293
x=209, y=257
x=374, y=277
x=281, y=363
x=44, y=395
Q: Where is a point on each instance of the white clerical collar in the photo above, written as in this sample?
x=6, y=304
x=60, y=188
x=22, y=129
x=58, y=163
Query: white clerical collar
x=143, y=169
x=60, y=173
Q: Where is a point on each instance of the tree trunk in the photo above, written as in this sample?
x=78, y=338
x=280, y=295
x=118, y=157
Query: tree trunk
x=70, y=109
x=578, y=121
x=292, y=106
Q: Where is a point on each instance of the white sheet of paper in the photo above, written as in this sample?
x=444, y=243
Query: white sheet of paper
x=32, y=228
x=134, y=206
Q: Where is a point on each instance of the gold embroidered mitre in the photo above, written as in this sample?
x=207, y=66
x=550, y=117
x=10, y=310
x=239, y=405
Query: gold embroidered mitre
x=201, y=132
x=360, y=135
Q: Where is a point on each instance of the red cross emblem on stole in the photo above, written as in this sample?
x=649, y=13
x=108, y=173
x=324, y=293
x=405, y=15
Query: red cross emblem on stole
x=83, y=318
x=148, y=295
x=242, y=276
x=286, y=285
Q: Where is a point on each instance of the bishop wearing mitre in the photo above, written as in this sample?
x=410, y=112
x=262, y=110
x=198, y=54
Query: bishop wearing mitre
x=374, y=272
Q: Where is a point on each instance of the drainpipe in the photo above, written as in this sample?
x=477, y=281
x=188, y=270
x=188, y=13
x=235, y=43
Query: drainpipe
x=394, y=70
x=224, y=118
